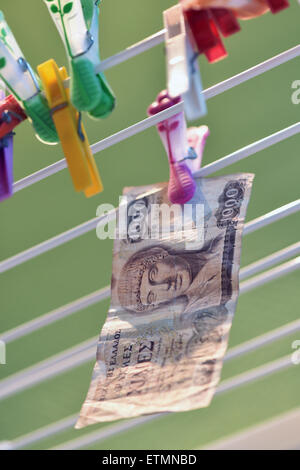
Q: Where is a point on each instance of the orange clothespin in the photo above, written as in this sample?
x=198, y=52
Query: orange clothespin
x=70, y=130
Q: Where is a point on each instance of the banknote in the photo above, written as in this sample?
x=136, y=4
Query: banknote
x=174, y=290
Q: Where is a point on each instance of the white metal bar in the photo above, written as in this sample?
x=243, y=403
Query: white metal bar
x=84, y=352
x=214, y=90
x=79, y=230
x=129, y=53
x=146, y=123
x=279, y=433
x=112, y=430
x=99, y=146
x=159, y=37
x=255, y=374
x=273, y=216
x=249, y=150
x=56, y=365
x=271, y=275
x=56, y=241
x=263, y=340
x=253, y=72
x=134, y=50
x=55, y=315
x=269, y=261
x=228, y=385
x=108, y=431
x=44, y=432
x=101, y=294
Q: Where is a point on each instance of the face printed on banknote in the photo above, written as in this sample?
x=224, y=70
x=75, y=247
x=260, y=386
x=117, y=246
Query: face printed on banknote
x=173, y=295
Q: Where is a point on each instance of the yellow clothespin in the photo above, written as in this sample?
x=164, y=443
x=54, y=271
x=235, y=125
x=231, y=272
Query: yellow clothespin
x=70, y=130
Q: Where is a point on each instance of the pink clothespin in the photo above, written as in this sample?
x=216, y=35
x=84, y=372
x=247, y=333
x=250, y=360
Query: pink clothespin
x=184, y=148
x=6, y=161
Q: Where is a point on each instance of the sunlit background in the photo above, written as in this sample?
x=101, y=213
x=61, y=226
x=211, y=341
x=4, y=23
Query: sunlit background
x=236, y=118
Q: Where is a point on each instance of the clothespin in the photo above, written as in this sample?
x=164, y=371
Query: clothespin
x=205, y=34
x=77, y=23
x=175, y=41
x=206, y=23
x=225, y=20
x=183, y=74
x=22, y=82
x=193, y=100
x=70, y=130
x=184, y=149
x=6, y=162
x=277, y=5
x=11, y=114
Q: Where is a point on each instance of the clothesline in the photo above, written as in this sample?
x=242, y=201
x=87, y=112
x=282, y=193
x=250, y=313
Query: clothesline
x=227, y=385
x=91, y=224
x=153, y=120
x=85, y=351
x=118, y=428
x=142, y=125
x=102, y=294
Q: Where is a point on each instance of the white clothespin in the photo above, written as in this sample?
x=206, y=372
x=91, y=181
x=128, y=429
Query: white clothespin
x=22, y=82
x=193, y=99
x=14, y=69
x=183, y=74
x=175, y=39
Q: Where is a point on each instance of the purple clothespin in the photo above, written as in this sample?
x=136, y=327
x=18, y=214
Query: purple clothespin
x=183, y=146
x=6, y=161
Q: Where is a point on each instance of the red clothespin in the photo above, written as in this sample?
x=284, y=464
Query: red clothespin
x=277, y=5
x=205, y=34
x=11, y=114
x=184, y=148
x=226, y=21
x=205, y=25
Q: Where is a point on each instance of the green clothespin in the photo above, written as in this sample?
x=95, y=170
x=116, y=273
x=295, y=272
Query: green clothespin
x=78, y=25
x=22, y=82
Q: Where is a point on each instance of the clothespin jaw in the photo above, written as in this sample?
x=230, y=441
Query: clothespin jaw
x=206, y=24
x=226, y=21
x=175, y=41
x=22, y=82
x=193, y=99
x=277, y=5
x=196, y=137
x=6, y=161
x=205, y=34
x=11, y=115
x=174, y=135
x=70, y=130
x=183, y=75
x=78, y=25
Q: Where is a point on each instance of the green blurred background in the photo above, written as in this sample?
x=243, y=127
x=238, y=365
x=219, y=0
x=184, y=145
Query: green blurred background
x=236, y=118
